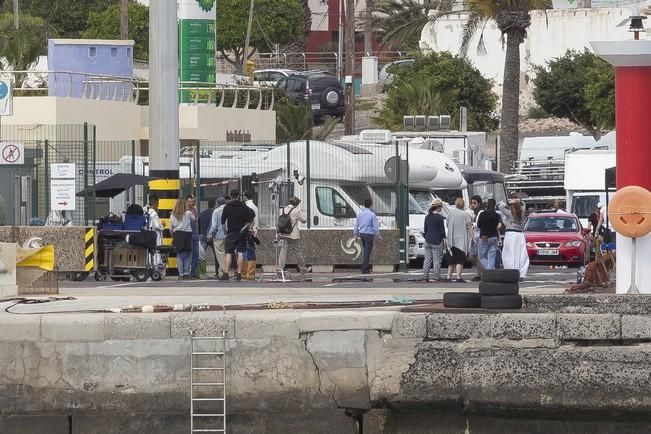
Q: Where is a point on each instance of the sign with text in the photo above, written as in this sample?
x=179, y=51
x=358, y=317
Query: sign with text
x=12, y=153
x=63, y=171
x=62, y=194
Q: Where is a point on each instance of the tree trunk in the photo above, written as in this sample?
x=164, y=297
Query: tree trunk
x=124, y=19
x=510, y=101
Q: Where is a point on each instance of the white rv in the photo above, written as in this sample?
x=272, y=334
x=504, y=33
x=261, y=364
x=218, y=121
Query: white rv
x=585, y=184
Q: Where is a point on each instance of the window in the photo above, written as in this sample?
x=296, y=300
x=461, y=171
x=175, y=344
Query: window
x=583, y=206
x=487, y=190
x=331, y=203
x=128, y=52
x=282, y=84
x=260, y=76
x=92, y=51
x=552, y=224
x=422, y=197
x=448, y=196
x=114, y=51
x=275, y=76
x=320, y=83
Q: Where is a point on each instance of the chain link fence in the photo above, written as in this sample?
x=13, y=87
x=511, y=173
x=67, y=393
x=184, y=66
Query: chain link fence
x=333, y=179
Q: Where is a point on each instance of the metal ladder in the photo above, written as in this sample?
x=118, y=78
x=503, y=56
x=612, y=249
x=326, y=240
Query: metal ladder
x=208, y=372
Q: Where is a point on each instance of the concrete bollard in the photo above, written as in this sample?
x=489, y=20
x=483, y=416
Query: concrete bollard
x=8, y=269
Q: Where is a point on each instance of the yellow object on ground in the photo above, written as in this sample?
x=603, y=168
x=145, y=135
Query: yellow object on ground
x=42, y=258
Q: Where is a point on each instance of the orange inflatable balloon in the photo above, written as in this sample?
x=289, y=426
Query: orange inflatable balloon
x=630, y=211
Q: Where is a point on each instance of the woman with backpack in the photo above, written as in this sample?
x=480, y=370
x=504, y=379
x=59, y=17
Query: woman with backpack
x=288, y=232
x=181, y=222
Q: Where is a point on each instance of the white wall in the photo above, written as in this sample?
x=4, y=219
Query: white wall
x=551, y=34
x=128, y=121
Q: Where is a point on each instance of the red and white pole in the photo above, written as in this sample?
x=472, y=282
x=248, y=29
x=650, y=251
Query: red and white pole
x=632, y=61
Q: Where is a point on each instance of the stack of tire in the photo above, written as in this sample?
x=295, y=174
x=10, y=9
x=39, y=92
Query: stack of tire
x=498, y=289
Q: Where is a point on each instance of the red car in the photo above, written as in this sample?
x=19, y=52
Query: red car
x=557, y=238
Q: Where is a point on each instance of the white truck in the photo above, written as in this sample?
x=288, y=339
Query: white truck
x=585, y=181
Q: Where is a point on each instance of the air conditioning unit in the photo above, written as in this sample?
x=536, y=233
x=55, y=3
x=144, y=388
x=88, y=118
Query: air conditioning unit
x=408, y=122
x=444, y=122
x=376, y=136
x=433, y=122
x=419, y=122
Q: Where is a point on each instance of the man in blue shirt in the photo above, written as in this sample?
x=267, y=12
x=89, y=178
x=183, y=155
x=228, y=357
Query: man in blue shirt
x=367, y=228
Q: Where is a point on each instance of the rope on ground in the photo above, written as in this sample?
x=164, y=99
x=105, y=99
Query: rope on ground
x=278, y=305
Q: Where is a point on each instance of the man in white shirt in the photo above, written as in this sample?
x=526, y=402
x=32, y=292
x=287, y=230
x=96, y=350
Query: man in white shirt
x=603, y=218
x=248, y=201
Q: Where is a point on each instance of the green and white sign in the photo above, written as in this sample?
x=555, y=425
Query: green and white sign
x=196, y=42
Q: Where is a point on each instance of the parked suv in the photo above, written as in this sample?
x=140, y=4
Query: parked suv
x=321, y=89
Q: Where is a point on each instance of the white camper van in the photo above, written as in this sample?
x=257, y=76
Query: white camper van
x=585, y=181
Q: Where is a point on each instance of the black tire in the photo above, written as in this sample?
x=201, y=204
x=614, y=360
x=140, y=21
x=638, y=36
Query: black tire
x=500, y=276
x=462, y=300
x=495, y=288
x=140, y=275
x=99, y=277
x=156, y=276
x=501, y=302
x=333, y=102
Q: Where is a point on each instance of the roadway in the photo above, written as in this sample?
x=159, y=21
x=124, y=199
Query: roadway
x=91, y=295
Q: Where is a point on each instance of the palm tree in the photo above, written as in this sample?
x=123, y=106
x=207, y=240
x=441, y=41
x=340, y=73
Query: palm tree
x=20, y=48
x=413, y=96
x=513, y=19
x=400, y=22
x=295, y=122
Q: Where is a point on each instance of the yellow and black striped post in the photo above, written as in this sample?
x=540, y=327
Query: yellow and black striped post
x=89, y=249
x=168, y=191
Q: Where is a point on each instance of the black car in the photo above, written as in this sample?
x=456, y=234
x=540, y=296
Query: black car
x=321, y=89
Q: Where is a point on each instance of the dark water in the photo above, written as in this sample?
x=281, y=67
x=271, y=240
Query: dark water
x=449, y=423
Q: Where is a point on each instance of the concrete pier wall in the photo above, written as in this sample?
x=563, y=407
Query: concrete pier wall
x=306, y=372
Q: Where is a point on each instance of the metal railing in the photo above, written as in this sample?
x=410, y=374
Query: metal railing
x=304, y=61
x=124, y=89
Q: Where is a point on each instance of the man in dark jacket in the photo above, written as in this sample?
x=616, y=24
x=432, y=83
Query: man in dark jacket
x=236, y=218
x=434, y=233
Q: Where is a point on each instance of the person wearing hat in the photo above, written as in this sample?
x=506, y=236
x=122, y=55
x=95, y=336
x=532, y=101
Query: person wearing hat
x=434, y=233
x=218, y=235
x=292, y=240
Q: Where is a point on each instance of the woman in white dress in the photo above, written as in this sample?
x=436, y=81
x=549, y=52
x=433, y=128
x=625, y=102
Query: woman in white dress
x=514, y=252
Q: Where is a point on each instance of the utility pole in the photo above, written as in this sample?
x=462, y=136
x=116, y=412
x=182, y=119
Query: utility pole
x=16, y=15
x=163, y=91
x=349, y=114
x=245, y=55
x=368, y=29
x=124, y=19
x=340, y=42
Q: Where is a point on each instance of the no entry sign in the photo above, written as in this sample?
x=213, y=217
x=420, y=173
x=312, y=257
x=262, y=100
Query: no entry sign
x=12, y=153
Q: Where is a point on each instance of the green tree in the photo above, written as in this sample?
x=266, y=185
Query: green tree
x=295, y=121
x=513, y=19
x=274, y=22
x=21, y=48
x=64, y=18
x=578, y=86
x=600, y=94
x=106, y=25
x=399, y=22
x=439, y=83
